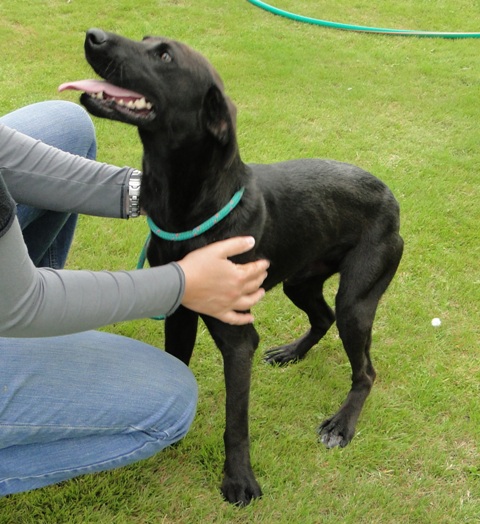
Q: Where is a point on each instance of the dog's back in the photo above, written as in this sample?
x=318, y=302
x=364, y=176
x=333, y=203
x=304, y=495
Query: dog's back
x=319, y=209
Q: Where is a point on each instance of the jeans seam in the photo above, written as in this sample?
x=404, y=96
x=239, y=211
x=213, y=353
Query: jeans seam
x=90, y=468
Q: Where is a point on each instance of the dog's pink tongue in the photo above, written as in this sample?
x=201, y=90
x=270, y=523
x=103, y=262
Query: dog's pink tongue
x=97, y=86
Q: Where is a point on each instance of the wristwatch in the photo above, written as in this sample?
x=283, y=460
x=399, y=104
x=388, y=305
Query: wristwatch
x=134, y=193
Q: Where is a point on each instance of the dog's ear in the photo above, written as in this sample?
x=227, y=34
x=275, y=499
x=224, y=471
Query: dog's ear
x=219, y=115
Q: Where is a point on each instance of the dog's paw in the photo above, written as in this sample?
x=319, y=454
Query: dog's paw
x=282, y=355
x=332, y=433
x=240, y=491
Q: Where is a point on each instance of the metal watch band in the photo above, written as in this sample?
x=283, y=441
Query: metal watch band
x=134, y=193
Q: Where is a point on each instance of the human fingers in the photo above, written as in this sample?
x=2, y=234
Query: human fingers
x=247, y=301
x=236, y=318
x=240, y=313
x=237, y=246
x=234, y=246
x=254, y=273
x=241, y=317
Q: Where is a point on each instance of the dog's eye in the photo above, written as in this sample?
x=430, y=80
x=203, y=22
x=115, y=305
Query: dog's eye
x=162, y=51
x=165, y=57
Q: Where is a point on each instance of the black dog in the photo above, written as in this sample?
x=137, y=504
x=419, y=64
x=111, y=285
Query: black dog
x=310, y=218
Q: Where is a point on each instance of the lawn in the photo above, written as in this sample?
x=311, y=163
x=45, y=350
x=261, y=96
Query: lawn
x=406, y=109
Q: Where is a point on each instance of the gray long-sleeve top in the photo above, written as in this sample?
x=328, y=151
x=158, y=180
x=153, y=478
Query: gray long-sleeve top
x=37, y=302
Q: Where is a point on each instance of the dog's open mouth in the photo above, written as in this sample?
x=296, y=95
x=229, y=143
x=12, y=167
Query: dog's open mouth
x=109, y=101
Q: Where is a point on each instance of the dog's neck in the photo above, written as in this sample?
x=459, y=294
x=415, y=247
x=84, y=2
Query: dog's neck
x=180, y=191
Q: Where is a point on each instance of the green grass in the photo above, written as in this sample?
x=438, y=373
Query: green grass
x=404, y=108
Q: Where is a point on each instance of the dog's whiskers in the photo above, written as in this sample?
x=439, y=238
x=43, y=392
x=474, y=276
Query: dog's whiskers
x=110, y=69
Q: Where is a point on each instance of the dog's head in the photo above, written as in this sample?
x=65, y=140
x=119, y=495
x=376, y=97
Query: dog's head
x=159, y=85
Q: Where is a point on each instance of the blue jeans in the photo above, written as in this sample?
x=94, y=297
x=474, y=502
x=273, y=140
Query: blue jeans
x=91, y=401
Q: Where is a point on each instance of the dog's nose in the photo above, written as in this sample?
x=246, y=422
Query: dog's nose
x=96, y=36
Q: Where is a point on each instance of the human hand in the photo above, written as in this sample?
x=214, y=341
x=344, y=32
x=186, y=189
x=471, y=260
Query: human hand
x=217, y=287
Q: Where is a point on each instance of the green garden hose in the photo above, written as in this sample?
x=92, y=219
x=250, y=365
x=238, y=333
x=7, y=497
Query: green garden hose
x=364, y=29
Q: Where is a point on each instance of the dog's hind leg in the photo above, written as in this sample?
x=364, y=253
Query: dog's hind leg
x=307, y=296
x=356, y=304
x=181, y=333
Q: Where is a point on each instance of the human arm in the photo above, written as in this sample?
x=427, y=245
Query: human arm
x=44, y=302
x=62, y=182
x=39, y=302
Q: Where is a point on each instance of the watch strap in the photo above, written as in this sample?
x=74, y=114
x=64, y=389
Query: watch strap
x=134, y=193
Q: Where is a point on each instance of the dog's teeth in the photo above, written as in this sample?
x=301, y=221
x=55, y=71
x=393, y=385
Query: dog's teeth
x=140, y=103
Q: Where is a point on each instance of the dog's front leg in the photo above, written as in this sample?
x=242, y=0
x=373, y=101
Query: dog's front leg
x=237, y=345
x=181, y=333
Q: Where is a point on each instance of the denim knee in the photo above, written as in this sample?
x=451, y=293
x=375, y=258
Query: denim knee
x=79, y=128
x=181, y=411
x=59, y=123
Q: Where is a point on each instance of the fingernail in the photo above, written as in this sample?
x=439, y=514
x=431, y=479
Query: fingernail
x=251, y=241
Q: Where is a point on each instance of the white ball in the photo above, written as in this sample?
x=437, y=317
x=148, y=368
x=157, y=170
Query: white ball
x=436, y=322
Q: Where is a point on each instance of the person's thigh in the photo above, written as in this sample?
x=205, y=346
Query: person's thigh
x=64, y=125
x=88, y=402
